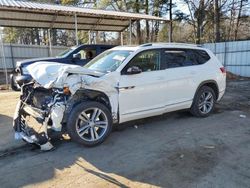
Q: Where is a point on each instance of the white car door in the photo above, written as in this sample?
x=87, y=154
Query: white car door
x=180, y=77
x=142, y=94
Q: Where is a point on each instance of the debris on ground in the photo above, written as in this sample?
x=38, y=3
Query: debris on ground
x=135, y=126
x=181, y=156
x=209, y=147
x=243, y=116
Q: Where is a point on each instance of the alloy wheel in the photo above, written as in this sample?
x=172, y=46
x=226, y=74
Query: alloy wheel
x=91, y=124
x=206, y=102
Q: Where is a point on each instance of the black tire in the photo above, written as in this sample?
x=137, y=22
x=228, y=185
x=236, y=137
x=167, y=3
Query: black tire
x=13, y=84
x=73, y=123
x=197, y=108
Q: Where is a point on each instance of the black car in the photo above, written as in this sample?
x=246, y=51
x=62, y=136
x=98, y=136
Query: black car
x=77, y=55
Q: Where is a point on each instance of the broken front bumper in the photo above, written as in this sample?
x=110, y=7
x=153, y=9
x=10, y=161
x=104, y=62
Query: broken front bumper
x=30, y=133
x=31, y=123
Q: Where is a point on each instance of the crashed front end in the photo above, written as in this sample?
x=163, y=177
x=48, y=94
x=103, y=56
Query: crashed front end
x=46, y=101
x=38, y=111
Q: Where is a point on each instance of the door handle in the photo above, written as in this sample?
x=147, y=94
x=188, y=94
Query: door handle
x=124, y=88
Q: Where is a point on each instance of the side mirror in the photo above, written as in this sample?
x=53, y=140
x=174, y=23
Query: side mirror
x=77, y=56
x=134, y=70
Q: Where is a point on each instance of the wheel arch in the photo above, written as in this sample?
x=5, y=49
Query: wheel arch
x=210, y=83
x=86, y=95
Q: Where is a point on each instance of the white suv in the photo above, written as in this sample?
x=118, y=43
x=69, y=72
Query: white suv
x=119, y=85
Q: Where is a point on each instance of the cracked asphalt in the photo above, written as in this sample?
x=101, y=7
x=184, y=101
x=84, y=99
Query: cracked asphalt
x=173, y=150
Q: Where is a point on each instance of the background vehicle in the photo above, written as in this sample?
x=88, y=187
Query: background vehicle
x=120, y=85
x=76, y=55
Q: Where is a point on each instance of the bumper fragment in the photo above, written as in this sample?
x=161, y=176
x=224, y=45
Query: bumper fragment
x=27, y=133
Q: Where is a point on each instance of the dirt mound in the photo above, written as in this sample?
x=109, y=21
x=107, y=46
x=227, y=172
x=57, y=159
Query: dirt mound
x=4, y=87
x=232, y=76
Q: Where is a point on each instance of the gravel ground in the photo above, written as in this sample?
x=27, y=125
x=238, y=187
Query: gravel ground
x=173, y=150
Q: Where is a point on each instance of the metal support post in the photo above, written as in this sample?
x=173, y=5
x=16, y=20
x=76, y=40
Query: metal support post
x=50, y=46
x=76, y=30
x=121, y=33
x=130, y=32
x=3, y=58
x=89, y=37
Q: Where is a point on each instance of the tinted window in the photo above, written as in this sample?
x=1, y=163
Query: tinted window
x=184, y=57
x=66, y=52
x=105, y=48
x=175, y=58
x=149, y=60
x=201, y=56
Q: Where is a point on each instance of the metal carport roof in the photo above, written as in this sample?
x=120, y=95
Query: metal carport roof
x=38, y=15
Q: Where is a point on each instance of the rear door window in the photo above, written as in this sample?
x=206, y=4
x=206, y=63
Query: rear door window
x=175, y=58
x=183, y=57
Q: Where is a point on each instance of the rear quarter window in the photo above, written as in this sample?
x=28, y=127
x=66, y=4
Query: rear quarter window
x=201, y=56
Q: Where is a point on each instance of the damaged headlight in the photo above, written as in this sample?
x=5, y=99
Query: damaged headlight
x=66, y=91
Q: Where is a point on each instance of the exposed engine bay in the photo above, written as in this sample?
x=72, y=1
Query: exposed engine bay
x=41, y=107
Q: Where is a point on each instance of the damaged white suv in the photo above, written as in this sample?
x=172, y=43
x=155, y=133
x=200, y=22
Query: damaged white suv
x=119, y=85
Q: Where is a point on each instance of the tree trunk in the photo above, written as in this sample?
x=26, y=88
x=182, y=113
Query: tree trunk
x=238, y=21
x=200, y=20
x=231, y=20
x=171, y=23
x=37, y=36
x=54, y=37
x=32, y=36
x=147, y=23
x=138, y=24
x=216, y=21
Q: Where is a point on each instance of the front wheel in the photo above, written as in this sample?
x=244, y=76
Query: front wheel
x=89, y=123
x=203, y=103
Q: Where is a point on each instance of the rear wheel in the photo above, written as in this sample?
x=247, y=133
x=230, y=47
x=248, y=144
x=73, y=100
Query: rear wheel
x=203, y=103
x=89, y=123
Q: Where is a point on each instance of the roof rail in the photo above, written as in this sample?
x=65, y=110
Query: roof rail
x=169, y=43
x=146, y=44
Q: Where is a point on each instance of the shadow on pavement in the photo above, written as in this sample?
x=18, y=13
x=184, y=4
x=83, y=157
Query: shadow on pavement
x=146, y=154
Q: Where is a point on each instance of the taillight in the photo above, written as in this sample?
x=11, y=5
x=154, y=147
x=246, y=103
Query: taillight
x=223, y=70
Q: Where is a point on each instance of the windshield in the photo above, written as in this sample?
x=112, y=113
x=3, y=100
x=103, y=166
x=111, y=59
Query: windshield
x=66, y=52
x=108, y=61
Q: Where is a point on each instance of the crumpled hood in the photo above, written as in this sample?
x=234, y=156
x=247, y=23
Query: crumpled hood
x=51, y=74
